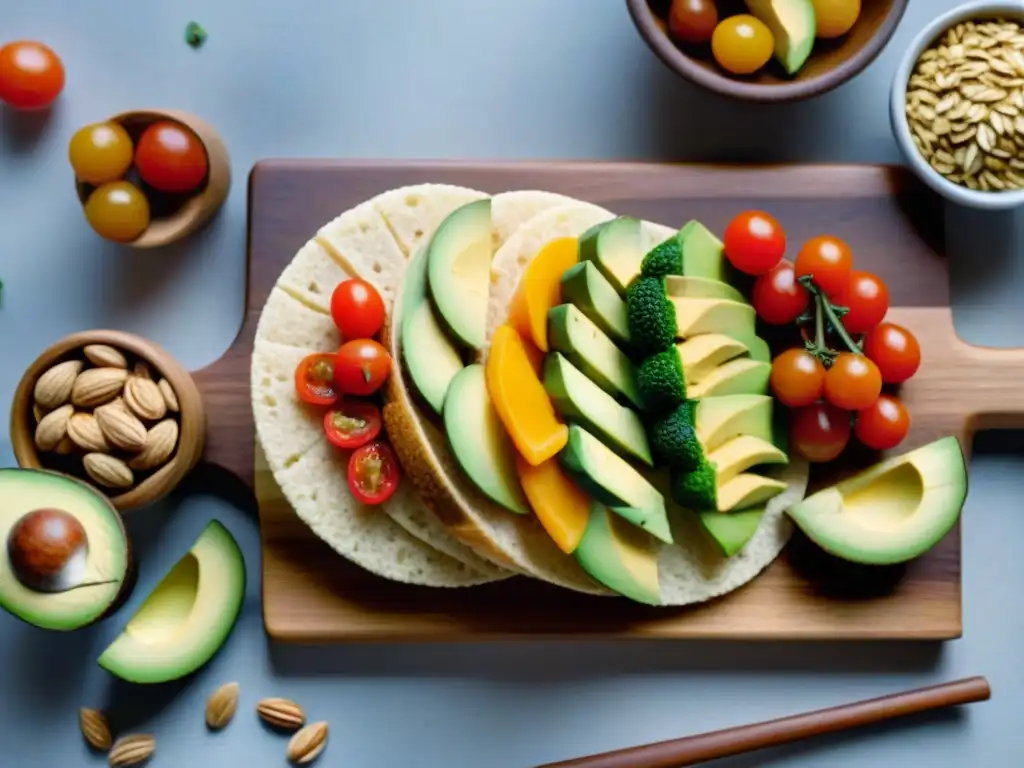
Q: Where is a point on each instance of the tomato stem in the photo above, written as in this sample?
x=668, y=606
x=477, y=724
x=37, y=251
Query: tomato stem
x=826, y=310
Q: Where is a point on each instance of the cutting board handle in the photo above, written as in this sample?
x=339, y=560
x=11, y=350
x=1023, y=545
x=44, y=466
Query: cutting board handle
x=996, y=386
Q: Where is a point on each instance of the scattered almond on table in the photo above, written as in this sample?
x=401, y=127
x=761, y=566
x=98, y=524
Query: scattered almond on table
x=95, y=729
x=307, y=744
x=133, y=749
x=221, y=706
x=283, y=714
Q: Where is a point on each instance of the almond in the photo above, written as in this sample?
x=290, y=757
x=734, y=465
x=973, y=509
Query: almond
x=65, y=447
x=108, y=471
x=121, y=428
x=95, y=728
x=161, y=441
x=133, y=749
x=306, y=745
x=281, y=713
x=143, y=398
x=85, y=432
x=97, y=386
x=221, y=706
x=104, y=356
x=170, y=398
x=55, y=386
x=53, y=427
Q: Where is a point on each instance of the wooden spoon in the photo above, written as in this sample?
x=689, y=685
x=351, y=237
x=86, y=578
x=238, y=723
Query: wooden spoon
x=691, y=750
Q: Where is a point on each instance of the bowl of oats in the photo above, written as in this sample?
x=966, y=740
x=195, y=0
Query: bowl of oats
x=957, y=105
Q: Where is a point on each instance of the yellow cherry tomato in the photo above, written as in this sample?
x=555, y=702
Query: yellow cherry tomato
x=118, y=211
x=100, y=153
x=835, y=17
x=742, y=44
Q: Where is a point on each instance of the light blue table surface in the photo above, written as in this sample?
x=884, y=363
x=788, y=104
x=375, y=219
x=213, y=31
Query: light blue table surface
x=453, y=79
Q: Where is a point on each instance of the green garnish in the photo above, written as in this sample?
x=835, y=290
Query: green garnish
x=195, y=35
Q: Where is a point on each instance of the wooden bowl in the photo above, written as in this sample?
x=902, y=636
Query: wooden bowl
x=832, y=63
x=192, y=212
x=192, y=415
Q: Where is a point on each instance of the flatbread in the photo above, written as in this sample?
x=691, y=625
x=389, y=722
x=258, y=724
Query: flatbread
x=414, y=213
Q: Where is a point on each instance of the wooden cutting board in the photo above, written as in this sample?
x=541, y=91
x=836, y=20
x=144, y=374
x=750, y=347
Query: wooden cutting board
x=894, y=227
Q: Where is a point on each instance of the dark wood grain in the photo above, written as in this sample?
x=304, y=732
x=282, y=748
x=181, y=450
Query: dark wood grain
x=894, y=227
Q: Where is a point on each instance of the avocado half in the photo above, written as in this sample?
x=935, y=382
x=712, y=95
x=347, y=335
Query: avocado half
x=67, y=560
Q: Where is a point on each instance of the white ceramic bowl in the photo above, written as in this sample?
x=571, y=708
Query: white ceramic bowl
x=898, y=97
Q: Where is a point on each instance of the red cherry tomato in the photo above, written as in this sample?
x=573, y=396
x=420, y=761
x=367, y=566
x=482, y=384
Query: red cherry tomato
x=373, y=473
x=867, y=298
x=357, y=309
x=692, y=21
x=797, y=378
x=820, y=431
x=352, y=423
x=829, y=260
x=895, y=351
x=883, y=424
x=171, y=158
x=361, y=367
x=853, y=382
x=31, y=75
x=754, y=242
x=778, y=298
x=314, y=379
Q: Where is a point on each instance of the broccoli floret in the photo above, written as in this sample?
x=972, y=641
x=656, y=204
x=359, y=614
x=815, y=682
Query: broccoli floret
x=664, y=259
x=674, y=440
x=660, y=381
x=696, y=490
x=651, y=316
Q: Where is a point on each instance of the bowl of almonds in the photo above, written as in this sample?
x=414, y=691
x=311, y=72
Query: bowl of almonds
x=957, y=105
x=113, y=409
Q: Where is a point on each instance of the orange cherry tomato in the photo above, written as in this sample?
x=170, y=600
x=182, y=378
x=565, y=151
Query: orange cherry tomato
x=314, y=379
x=829, y=260
x=853, y=382
x=361, y=367
x=171, y=158
x=883, y=425
x=357, y=309
x=742, y=44
x=894, y=350
x=351, y=423
x=31, y=75
x=778, y=297
x=867, y=298
x=797, y=378
x=117, y=211
x=373, y=473
x=820, y=431
x=754, y=242
x=100, y=152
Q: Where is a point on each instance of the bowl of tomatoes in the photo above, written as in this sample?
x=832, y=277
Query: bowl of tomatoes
x=148, y=178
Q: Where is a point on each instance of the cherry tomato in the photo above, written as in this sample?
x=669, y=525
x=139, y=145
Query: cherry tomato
x=778, y=297
x=867, y=299
x=373, y=473
x=171, y=158
x=100, y=152
x=894, y=350
x=883, y=424
x=827, y=259
x=853, y=382
x=117, y=211
x=835, y=18
x=314, y=379
x=351, y=423
x=692, y=21
x=797, y=378
x=742, y=44
x=754, y=242
x=361, y=367
x=820, y=431
x=31, y=75
x=357, y=309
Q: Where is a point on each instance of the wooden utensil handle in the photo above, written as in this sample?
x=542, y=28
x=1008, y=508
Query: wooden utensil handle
x=746, y=738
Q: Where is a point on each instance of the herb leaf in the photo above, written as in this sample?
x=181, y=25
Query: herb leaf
x=195, y=35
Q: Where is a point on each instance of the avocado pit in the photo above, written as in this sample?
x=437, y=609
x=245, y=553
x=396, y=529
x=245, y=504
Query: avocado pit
x=48, y=549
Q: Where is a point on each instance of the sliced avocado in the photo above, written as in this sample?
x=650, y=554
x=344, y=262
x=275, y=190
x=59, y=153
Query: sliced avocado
x=700, y=355
x=793, y=25
x=459, y=271
x=585, y=286
x=719, y=419
x=693, y=251
x=742, y=376
x=696, y=316
x=757, y=347
x=66, y=561
x=619, y=556
x=616, y=248
x=429, y=355
x=688, y=287
x=479, y=442
x=610, y=479
x=732, y=530
x=187, y=618
x=579, y=399
x=893, y=512
x=722, y=483
x=575, y=336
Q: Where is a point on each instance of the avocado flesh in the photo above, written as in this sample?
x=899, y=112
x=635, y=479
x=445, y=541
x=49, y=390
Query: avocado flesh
x=697, y=316
x=459, y=271
x=187, y=618
x=616, y=249
x=742, y=376
x=793, y=25
x=724, y=482
x=700, y=355
x=577, y=398
x=429, y=355
x=584, y=286
x=732, y=531
x=105, y=557
x=479, y=441
x=582, y=342
x=607, y=477
x=689, y=287
x=893, y=512
x=619, y=556
x=718, y=419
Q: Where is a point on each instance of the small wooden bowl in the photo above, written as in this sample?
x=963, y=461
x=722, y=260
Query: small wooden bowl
x=201, y=204
x=832, y=63
x=192, y=415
